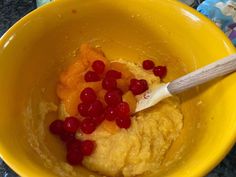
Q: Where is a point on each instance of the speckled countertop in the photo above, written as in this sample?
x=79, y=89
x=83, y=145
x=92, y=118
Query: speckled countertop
x=11, y=11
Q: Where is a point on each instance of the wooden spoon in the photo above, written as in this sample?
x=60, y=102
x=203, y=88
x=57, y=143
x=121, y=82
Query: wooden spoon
x=159, y=92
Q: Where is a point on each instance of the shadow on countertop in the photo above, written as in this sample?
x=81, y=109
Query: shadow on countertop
x=13, y=10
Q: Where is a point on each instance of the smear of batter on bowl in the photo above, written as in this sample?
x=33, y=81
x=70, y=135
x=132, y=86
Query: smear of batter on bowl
x=99, y=128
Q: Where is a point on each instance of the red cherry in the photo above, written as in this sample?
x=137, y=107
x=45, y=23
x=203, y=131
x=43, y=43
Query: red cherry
x=148, y=64
x=87, y=126
x=95, y=109
x=110, y=113
x=119, y=91
x=138, y=86
x=71, y=124
x=135, y=87
x=91, y=76
x=98, y=119
x=144, y=84
x=87, y=147
x=98, y=66
x=123, y=109
x=133, y=81
x=109, y=83
x=67, y=136
x=123, y=122
x=74, y=144
x=56, y=127
x=88, y=95
x=83, y=109
x=160, y=71
x=74, y=157
x=113, y=74
x=112, y=98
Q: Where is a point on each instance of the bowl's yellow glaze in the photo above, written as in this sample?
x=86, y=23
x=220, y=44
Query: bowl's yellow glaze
x=34, y=50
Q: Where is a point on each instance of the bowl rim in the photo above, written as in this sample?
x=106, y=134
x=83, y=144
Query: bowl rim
x=203, y=170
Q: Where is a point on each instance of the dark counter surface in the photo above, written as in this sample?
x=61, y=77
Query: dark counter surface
x=13, y=10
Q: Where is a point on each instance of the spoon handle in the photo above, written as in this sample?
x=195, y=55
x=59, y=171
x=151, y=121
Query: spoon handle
x=204, y=74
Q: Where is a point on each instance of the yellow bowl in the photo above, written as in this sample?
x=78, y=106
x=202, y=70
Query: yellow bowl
x=36, y=48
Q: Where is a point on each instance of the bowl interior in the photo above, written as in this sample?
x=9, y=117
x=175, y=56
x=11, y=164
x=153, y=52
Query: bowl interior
x=40, y=46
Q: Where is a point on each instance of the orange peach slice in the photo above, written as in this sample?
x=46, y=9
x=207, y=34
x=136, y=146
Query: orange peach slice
x=123, y=84
x=73, y=74
x=72, y=82
x=71, y=97
x=71, y=103
x=89, y=54
x=126, y=74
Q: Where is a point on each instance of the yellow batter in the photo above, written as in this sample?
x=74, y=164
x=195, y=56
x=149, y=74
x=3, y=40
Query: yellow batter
x=142, y=147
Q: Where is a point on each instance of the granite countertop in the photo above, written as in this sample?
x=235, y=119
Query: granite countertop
x=11, y=11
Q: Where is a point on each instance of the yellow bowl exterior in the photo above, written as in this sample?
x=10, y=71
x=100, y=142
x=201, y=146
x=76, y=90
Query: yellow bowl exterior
x=132, y=29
